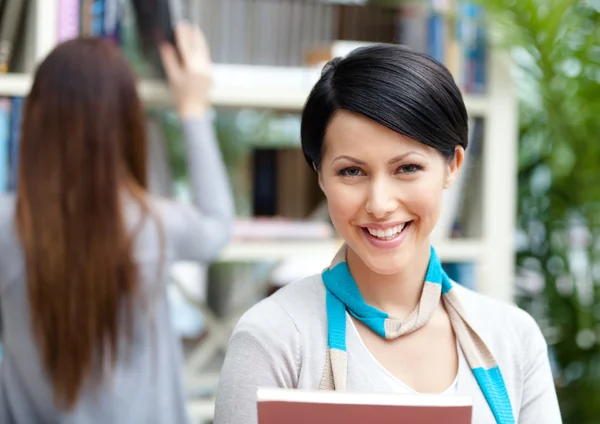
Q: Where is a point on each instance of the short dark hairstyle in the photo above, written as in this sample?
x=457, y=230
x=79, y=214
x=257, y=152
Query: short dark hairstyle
x=403, y=90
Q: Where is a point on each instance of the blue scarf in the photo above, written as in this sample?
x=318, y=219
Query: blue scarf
x=342, y=295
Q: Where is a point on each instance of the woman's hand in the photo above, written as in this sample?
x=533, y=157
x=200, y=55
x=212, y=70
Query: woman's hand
x=189, y=73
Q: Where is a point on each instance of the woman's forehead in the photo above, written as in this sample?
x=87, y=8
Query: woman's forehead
x=349, y=132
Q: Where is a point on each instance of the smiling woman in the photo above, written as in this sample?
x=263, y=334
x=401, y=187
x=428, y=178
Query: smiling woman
x=386, y=130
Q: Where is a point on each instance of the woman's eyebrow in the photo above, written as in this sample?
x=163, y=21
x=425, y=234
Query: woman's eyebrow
x=393, y=160
x=350, y=158
x=403, y=156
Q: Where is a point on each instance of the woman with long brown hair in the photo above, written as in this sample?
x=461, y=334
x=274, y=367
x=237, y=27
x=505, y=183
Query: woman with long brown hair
x=85, y=250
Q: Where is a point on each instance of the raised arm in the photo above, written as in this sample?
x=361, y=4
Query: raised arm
x=206, y=224
x=204, y=227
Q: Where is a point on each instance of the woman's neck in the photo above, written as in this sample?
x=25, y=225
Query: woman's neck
x=396, y=294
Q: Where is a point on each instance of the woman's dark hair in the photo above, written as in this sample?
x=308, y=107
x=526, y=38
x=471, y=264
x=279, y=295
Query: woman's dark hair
x=405, y=91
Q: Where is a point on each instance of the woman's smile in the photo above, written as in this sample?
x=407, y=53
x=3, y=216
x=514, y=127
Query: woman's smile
x=386, y=235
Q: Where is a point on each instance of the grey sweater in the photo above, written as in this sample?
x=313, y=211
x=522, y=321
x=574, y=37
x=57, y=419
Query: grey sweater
x=282, y=341
x=146, y=387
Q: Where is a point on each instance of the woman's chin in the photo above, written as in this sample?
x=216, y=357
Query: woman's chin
x=384, y=267
x=383, y=264
x=385, y=261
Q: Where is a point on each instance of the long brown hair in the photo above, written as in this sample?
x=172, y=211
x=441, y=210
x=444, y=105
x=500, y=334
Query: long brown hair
x=83, y=145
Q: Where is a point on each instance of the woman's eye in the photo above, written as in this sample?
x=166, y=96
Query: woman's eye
x=409, y=169
x=352, y=171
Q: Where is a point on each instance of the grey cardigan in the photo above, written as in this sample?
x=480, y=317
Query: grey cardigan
x=282, y=341
x=146, y=387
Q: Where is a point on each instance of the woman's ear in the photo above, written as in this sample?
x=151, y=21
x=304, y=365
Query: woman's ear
x=319, y=176
x=454, y=166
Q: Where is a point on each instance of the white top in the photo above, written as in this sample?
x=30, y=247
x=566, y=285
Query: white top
x=397, y=385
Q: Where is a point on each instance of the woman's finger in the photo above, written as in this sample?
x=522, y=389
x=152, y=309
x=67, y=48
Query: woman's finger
x=184, y=38
x=200, y=42
x=170, y=61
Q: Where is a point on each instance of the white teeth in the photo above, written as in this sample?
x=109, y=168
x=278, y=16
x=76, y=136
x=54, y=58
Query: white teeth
x=388, y=232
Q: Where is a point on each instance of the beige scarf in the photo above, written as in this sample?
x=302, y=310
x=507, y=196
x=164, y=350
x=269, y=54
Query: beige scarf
x=343, y=295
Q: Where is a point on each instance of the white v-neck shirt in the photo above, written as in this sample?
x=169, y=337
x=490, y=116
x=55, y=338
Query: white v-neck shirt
x=397, y=385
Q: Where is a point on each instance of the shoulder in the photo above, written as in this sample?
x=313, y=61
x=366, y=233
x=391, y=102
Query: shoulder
x=511, y=332
x=7, y=220
x=496, y=316
x=10, y=246
x=7, y=207
x=286, y=312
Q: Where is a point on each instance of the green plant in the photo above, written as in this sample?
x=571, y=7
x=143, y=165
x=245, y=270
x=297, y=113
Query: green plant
x=556, y=48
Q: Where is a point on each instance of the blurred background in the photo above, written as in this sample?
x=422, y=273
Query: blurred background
x=522, y=224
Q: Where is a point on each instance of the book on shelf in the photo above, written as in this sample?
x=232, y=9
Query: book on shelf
x=4, y=143
x=453, y=197
x=12, y=13
x=10, y=130
x=156, y=21
x=294, y=406
x=282, y=183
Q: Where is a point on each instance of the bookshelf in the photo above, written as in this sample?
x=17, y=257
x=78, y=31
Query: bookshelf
x=286, y=88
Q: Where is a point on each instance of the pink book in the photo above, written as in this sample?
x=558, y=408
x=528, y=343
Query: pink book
x=68, y=20
x=292, y=406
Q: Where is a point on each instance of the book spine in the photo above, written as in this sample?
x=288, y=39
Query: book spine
x=413, y=27
x=68, y=20
x=9, y=27
x=436, y=36
x=98, y=18
x=129, y=41
x=15, y=139
x=111, y=19
x=480, y=55
x=4, y=136
x=468, y=34
x=85, y=17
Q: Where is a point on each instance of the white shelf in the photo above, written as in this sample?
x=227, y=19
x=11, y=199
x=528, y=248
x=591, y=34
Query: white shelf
x=250, y=251
x=20, y=84
x=17, y=85
x=200, y=410
x=269, y=87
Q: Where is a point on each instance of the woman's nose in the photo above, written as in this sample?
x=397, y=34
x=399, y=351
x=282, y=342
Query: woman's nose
x=381, y=200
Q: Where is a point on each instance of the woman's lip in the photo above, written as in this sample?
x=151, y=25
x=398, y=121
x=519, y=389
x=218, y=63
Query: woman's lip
x=388, y=244
x=383, y=226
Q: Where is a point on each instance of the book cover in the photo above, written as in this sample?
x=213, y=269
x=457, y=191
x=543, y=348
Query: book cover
x=292, y=406
x=68, y=20
x=155, y=24
x=452, y=197
x=14, y=141
x=5, y=111
x=12, y=17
